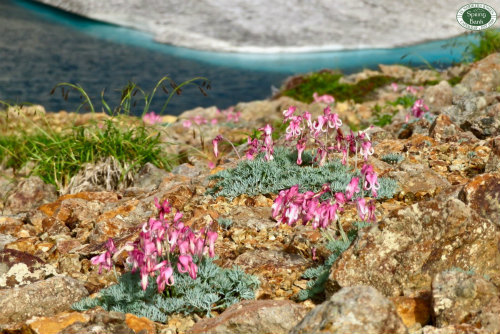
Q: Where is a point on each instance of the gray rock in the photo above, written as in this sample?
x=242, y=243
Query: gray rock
x=254, y=316
x=28, y=195
x=438, y=96
x=460, y=297
x=484, y=75
x=358, y=309
x=149, y=177
x=452, y=329
x=44, y=298
x=401, y=254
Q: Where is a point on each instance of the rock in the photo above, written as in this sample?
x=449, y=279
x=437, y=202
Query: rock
x=277, y=270
x=484, y=75
x=453, y=329
x=482, y=194
x=357, y=309
x=401, y=254
x=55, y=324
x=438, y=96
x=443, y=129
x=102, y=322
x=417, y=181
x=149, y=177
x=397, y=72
x=459, y=297
x=493, y=163
x=19, y=268
x=28, y=195
x=253, y=316
x=44, y=298
x=415, y=312
x=140, y=325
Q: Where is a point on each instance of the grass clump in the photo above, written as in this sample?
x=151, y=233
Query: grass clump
x=253, y=177
x=214, y=288
x=56, y=156
x=328, y=83
x=488, y=43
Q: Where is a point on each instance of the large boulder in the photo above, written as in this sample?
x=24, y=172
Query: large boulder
x=358, y=309
x=401, y=254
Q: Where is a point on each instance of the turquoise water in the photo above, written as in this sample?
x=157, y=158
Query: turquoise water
x=41, y=46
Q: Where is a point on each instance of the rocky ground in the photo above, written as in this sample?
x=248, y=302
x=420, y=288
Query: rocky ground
x=430, y=264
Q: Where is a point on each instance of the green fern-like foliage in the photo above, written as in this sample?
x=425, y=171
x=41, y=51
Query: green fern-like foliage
x=253, y=177
x=318, y=275
x=214, y=288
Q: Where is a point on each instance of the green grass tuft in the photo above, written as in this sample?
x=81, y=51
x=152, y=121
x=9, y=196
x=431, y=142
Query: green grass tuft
x=328, y=83
x=56, y=156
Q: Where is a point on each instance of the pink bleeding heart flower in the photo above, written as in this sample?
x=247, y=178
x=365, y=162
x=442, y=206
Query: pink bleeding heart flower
x=366, y=169
x=371, y=183
x=186, y=264
x=301, y=146
x=366, y=149
x=352, y=188
x=289, y=112
x=212, y=237
x=419, y=108
x=362, y=208
x=165, y=277
x=394, y=86
x=215, y=143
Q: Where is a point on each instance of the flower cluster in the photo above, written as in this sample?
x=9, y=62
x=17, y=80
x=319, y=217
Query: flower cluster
x=326, y=134
x=419, y=108
x=264, y=145
x=292, y=206
x=255, y=146
x=229, y=113
x=151, y=118
x=104, y=260
x=328, y=99
x=162, y=247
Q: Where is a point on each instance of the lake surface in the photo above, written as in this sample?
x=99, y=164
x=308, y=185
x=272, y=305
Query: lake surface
x=41, y=46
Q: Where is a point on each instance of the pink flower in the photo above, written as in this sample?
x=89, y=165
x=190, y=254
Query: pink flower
x=362, y=208
x=187, y=124
x=163, y=208
x=301, y=146
x=371, y=183
x=268, y=141
x=215, y=143
x=294, y=129
x=371, y=212
x=110, y=245
x=289, y=112
x=366, y=169
x=166, y=276
x=253, y=148
x=419, y=108
x=313, y=250
x=323, y=98
x=214, y=121
x=200, y=120
x=340, y=198
x=144, y=278
x=352, y=188
x=366, y=149
x=211, y=165
x=212, y=237
x=103, y=260
x=394, y=86
x=411, y=90
x=151, y=118
x=334, y=121
x=186, y=264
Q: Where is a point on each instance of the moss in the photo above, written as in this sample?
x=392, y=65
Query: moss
x=455, y=80
x=328, y=83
